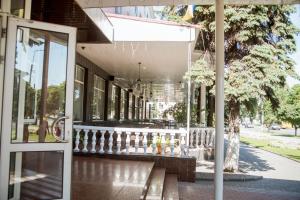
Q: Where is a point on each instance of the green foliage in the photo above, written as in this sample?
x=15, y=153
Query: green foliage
x=289, y=110
x=179, y=112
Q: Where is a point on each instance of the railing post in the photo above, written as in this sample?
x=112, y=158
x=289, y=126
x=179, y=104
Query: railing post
x=136, y=142
x=163, y=143
x=119, y=142
x=101, y=150
x=127, y=142
x=182, y=144
x=154, y=143
x=110, y=142
x=85, y=140
x=198, y=132
x=191, y=133
x=172, y=143
x=145, y=142
x=77, y=140
x=94, y=141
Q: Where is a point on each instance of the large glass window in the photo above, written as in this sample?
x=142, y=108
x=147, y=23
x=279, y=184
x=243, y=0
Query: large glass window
x=130, y=107
x=114, y=107
x=99, y=98
x=78, y=93
x=123, y=104
x=137, y=100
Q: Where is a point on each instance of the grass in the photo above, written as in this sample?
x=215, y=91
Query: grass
x=265, y=145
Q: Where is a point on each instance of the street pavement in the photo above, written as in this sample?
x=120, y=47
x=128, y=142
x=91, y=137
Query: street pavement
x=281, y=179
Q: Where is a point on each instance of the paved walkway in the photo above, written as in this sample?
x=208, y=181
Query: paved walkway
x=281, y=179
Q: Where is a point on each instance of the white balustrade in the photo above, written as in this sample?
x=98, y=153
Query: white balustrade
x=77, y=140
x=110, y=142
x=94, y=141
x=127, y=142
x=85, y=140
x=154, y=140
x=182, y=145
x=145, y=145
x=141, y=135
x=136, y=142
x=172, y=143
x=119, y=142
x=102, y=141
x=163, y=143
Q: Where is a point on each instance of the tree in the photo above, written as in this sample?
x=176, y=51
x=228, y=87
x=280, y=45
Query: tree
x=289, y=110
x=258, y=40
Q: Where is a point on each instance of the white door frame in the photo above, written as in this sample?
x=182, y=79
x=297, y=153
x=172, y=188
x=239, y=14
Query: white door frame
x=6, y=146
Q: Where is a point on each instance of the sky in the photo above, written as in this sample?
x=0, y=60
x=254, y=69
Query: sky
x=295, y=18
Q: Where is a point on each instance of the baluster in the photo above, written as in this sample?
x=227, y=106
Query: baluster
x=182, y=144
x=202, y=134
x=127, y=142
x=136, y=142
x=154, y=143
x=206, y=137
x=119, y=142
x=201, y=148
x=198, y=132
x=172, y=143
x=110, y=142
x=85, y=140
x=145, y=142
x=163, y=143
x=77, y=140
x=191, y=133
x=102, y=142
x=94, y=141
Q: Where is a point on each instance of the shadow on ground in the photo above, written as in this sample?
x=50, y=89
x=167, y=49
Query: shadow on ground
x=249, y=161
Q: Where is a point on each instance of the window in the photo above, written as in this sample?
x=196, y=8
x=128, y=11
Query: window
x=78, y=93
x=99, y=98
x=130, y=107
x=137, y=100
x=123, y=104
x=114, y=103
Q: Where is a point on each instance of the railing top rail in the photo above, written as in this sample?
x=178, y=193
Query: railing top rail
x=123, y=129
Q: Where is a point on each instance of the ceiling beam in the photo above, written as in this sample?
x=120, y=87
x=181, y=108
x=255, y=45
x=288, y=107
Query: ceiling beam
x=121, y=3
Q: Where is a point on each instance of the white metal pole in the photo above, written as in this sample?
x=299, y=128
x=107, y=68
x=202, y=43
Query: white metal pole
x=188, y=118
x=219, y=146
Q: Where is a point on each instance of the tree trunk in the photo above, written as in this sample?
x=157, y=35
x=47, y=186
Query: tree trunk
x=296, y=128
x=233, y=146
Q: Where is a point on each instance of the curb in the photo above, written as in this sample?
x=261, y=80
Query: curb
x=228, y=176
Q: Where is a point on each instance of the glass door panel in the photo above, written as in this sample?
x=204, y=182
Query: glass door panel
x=36, y=143
x=39, y=85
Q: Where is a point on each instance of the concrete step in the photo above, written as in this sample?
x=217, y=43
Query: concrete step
x=156, y=187
x=171, y=187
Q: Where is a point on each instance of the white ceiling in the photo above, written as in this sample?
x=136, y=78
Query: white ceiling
x=162, y=62
x=112, y=3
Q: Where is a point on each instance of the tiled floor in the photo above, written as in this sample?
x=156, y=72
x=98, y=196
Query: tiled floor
x=106, y=179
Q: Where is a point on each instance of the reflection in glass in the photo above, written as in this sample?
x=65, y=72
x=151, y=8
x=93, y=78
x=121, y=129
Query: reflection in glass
x=39, y=84
x=99, y=98
x=36, y=175
x=78, y=93
x=18, y=8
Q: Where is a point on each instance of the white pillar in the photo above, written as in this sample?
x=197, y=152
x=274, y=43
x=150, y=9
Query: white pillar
x=189, y=97
x=203, y=105
x=219, y=151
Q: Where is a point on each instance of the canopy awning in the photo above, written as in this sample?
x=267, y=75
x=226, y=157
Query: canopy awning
x=110, y=3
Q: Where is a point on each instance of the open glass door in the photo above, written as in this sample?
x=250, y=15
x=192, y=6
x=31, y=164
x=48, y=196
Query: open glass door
x=36, y=142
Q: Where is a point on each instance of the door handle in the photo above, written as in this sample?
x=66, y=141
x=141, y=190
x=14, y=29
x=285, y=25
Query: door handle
x=55, y=122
